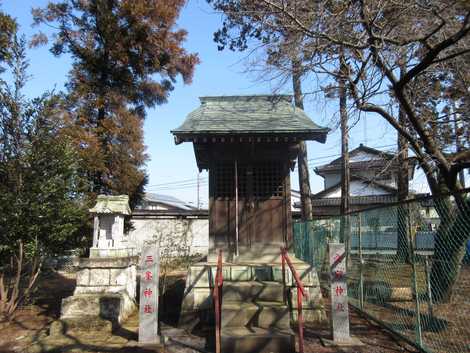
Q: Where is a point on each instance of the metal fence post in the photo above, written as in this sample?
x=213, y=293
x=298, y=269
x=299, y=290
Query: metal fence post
x=418, y=329
x=428, y=286
x=305, y=243
x=361, y=274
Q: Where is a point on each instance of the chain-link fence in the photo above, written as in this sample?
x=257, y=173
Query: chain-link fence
x=408, y=267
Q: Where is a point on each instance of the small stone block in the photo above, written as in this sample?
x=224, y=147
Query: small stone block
x=277, y=274
x=263, y=273
x=241, y=273
x=310, y=315
x=226, y=273
x=157, y=346
x=57, y=328
x=99, y=277
x=83, y=277
x=309, y=276
x=202, y=298
x=118, y=277
x=351, y=342
x=314, y=298
x=198, y=276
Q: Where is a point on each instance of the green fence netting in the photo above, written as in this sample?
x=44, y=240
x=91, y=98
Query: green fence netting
x=407, y=264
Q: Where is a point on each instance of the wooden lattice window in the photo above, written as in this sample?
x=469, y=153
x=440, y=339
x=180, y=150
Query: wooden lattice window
x=224, y=183
x=242, y=170
x=268, y=180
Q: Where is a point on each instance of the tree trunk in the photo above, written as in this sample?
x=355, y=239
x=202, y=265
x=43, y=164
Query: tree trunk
x=403, y=214
x=449, y=248
x=458, y=148
x=345, y=177
x=98, y=182
x=302, y=159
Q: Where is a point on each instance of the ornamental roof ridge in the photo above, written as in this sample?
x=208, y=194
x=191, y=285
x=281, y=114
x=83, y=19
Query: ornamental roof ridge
x=247, y=97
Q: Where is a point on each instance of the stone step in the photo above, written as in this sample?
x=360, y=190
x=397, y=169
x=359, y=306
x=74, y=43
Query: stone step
x=252, y=291
x=258, y=314
x=257, y=340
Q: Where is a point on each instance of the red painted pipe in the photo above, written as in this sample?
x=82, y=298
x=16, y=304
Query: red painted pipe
x=294, y=272
x=300, y=293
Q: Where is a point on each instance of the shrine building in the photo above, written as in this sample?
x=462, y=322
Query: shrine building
x=249, y=145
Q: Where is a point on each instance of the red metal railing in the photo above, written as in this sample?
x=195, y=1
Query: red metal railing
x=300, y=293
x=218, y=283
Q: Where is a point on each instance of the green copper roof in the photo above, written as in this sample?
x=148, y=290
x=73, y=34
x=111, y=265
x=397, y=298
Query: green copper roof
x=264, y=114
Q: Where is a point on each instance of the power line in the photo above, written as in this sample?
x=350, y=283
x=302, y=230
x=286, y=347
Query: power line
x=182, y=184
x=178, y=188
x=193, y=182
x=175, y=182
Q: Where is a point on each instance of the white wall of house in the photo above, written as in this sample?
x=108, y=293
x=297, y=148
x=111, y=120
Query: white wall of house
x=176, y=236
x=333, y=179
x=358, y=188
x=364, y=156
x=384, y=177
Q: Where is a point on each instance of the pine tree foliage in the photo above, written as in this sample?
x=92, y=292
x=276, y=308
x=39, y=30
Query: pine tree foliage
x=127, y=56
x=7, y=31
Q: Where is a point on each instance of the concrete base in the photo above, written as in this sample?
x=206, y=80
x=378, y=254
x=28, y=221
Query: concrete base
x=74, y=326
x=197, y=299
x=157, y=345
x=115, y=307
x=351, y=342
x=257, y=340
x=255, y=254
x=106, y=290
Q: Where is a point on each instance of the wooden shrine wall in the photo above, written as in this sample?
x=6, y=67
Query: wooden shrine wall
x=263, y=198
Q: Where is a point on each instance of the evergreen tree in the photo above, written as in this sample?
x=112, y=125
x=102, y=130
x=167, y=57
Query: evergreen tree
x=7, y=30
x=42, y=208
x=127, y=56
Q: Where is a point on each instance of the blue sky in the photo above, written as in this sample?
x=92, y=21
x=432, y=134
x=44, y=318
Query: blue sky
x=172, y=168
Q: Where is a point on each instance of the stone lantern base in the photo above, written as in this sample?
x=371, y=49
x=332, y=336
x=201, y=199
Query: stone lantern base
x=106, y=288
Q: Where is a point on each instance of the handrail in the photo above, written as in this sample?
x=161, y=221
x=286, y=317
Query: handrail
x=218, y=283
x=300, y=293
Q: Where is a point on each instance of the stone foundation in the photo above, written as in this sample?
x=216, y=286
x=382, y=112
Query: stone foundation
x=106, y=288
x=197, y=300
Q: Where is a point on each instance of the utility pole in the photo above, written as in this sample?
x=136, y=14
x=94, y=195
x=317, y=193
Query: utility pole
x=302, y=159
x=345, y=173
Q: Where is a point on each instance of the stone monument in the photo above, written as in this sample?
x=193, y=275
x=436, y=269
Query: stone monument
x=108, y=229
x=339, y=298
x=106, y=282
x=148, y=308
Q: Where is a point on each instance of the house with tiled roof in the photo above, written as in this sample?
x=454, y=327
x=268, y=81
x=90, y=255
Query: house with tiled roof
x=373, y=181
x=152, y=201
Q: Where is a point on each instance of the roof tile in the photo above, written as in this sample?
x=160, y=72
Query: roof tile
x=248, y=114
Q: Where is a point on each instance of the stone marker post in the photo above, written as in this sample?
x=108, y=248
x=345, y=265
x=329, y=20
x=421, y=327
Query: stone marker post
x=148, y=307
x=339, y=293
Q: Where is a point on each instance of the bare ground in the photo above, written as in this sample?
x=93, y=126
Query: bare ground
x=28, y=332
